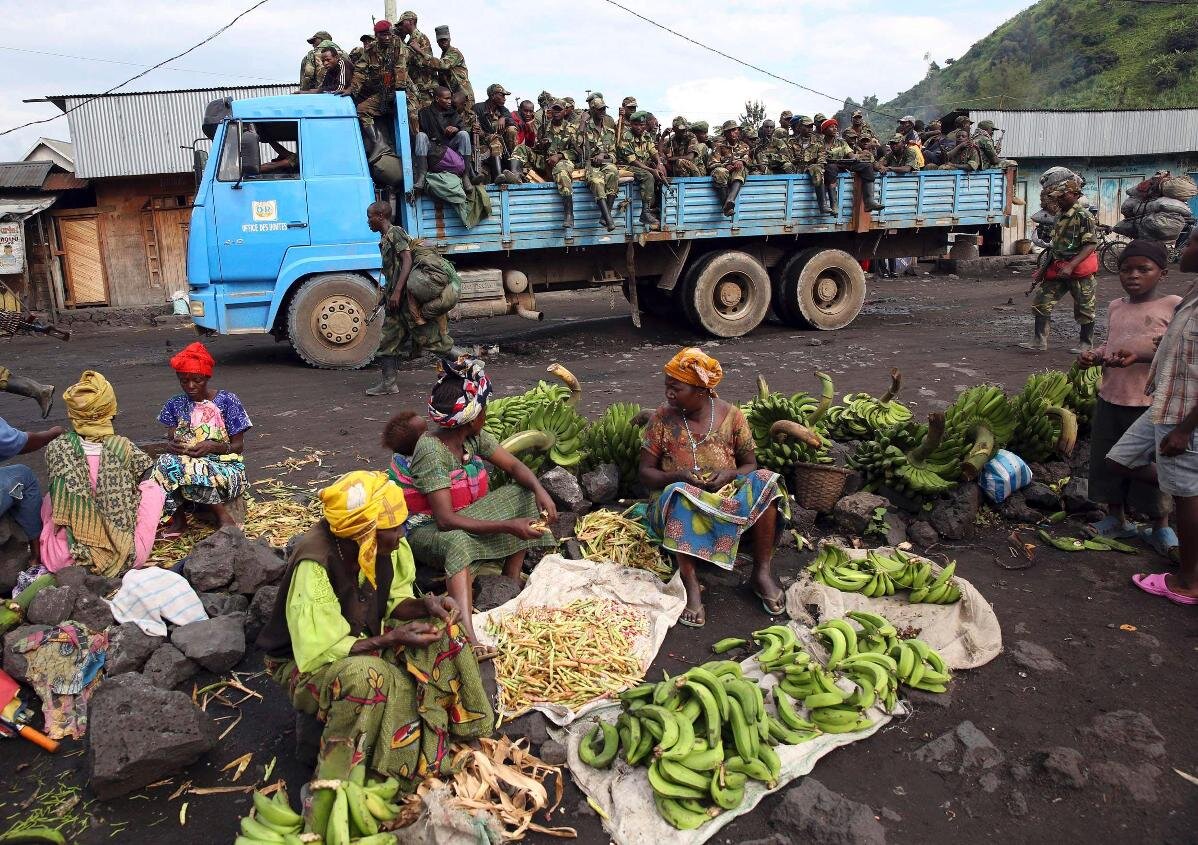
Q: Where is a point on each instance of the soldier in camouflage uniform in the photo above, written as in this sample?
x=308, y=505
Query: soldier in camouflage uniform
x=699, y=151
x=563, y=151
x=899, y=159
x=841, y=157
x=987, y=149
x=356, y=52
x=678, y=149
x=785, y=118
x=545, y=101
x=598, y=143
x=424, y=69
x=454, y=74
x=729, y=164
x=420, y=290
x=311, y=70
x=498, y=129
x=807, y=153
x=965, y=155
x=608, y=120
x=1074, y=239
x=380, y=71
x=637, y=152
x=859, y=126
x=774, y=155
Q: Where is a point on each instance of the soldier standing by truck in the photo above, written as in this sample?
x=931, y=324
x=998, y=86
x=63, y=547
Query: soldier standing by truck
x=454, y=74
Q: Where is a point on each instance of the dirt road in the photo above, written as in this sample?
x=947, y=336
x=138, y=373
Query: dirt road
x=945, y=334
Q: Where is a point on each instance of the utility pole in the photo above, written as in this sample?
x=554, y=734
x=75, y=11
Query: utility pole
x=389, y=10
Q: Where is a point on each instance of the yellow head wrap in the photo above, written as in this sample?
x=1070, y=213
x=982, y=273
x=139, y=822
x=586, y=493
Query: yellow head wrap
x=91, y=405
x=357, y=505
x=694, y=367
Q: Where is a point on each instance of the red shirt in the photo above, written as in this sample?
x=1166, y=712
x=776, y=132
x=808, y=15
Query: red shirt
x=526, y=133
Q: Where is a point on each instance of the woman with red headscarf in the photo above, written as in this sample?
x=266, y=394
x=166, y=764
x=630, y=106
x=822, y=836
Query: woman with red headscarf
x=202, y=460
x=698, y=454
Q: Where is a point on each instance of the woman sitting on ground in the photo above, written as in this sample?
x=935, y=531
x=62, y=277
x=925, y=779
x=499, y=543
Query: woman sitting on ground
x=206, y=430
x=456, y=523
x=99, y=513
x=699, y=452
x=352, y=645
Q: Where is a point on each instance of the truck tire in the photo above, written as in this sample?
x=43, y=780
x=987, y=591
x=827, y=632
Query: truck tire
x=327, y=321
x=726, y=294
x=820, y=289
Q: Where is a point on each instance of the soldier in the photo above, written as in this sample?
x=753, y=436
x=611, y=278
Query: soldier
x=544, y=101
x=627, y=107
x=899, y=159
x=598, y=140
x=819, y=118
x=454, y=74
x=356, y=52
x=468, y=123
x=699, y=151
x=931, y=134
x=1074, y=239
x=420, y=289
x=563, y=152
x=497, y=128
x=569, y=112
x=964, y=155
x=840, y=158
x=987, y=148
x=807, y=153
x=310, y=67
x=424, y=69
x=859, y=126
x=337, y=72
x=381, y=70
x=677, y=148
x=784, y=119
x=608, y=120
x=774, y=156
x=638, y=152
x=729, y=165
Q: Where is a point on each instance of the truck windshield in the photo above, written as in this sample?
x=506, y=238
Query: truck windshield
x=279, y=151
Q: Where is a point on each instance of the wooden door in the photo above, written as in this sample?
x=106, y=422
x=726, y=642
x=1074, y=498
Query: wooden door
x=171, y=227
x=87, y=283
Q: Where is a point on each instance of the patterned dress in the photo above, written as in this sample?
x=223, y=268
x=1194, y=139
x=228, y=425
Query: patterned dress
x=693, y=521
x=211, y=480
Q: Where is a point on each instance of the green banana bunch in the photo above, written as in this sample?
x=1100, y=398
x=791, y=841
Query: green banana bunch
x=273, y=821
x=1044, y=427
x=977, y=425
x=878, y=575
x=509, y=414
x=615, y=438
x=920, y=666
x=775, y=452
x=550, y=430
x=360, y=807
x=1084, y=383
x=941, y=590
x=862, y=416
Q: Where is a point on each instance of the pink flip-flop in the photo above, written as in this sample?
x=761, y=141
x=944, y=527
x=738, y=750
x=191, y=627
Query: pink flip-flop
x=1155, y=585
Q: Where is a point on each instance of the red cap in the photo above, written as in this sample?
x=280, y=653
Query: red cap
x=382, y=26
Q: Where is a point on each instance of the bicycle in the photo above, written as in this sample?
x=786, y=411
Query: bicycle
x=1110, y=247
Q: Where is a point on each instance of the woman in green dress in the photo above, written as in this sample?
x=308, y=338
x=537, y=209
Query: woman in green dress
x=388, y=674
x=456, y=522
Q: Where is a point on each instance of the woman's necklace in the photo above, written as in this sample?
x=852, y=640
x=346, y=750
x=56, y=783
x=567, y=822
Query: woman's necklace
x=695, y=444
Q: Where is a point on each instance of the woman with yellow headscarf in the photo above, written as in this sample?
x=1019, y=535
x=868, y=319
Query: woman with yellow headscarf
x=698, y=453
x=391, y=676
x=102, y=510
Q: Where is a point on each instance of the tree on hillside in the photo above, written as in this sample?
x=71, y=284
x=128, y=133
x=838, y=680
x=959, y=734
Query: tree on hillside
x=754, y=114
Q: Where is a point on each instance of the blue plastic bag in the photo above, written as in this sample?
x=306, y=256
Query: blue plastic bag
x=1005, y=473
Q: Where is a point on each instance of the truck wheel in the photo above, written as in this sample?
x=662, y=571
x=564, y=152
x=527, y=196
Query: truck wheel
x=327, y=321
x=820, y=289
x=727, y=294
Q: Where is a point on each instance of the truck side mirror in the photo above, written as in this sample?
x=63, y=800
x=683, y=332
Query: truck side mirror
x=251, y=156
x=199, y=160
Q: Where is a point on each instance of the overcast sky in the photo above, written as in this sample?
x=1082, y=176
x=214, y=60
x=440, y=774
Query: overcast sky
x=844, y=48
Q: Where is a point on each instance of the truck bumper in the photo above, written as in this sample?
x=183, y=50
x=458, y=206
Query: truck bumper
x=202, y=306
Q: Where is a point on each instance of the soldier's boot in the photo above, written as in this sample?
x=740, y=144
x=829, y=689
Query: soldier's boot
x=43, y=393
x=419, y=171
x=833, y=197
x=649, y=219
x=389, y=384
x=1039, y=343
x=873, y=196
x=822, y=200
x=1086, y=339
x=567, y=211
x=514, y=176
x=721, y=193
x=467, y=184
x=730, y=197
x=605, y=213
x=496, y=167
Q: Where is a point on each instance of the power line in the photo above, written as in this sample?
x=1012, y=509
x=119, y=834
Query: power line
x=119, y=62
x=142, y=73
x=731, y=58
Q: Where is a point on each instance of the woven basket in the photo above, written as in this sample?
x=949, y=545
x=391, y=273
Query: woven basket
x=818, y=487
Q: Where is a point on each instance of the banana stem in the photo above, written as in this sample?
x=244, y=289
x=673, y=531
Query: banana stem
x=896, y=384
x=931, y=441
x=527, y=441
x=1068, y=423
x=763, y=389
x=568, y=378
x=982, y=451
x=827, y=394
x=789, y=428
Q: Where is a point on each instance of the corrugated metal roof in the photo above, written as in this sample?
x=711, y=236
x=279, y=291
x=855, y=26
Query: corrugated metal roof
x=24, y=174
x=1088, y=134
x=143, y=133
x=64, y=182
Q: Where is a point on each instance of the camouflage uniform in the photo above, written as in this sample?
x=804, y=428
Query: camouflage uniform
x=809, y=157
x=424, y=71
x=905, y=157
x=499, y=142
x=863, y=128
x=638, y=155
x=600, y=141
x=724, y=154
x=699, y=152
x=563, y=139
x=378, y=74
x=967, y=158
x=434, y=284
x=454, y=74
x=775, y=156
x=311, y=71
x=1074, y=229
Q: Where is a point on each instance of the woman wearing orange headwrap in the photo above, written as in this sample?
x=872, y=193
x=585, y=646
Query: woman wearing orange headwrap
x=390, y=675
x=699, y=453
x=202, y=459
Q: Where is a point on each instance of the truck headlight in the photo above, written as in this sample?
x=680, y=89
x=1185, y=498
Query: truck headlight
x=196, y=307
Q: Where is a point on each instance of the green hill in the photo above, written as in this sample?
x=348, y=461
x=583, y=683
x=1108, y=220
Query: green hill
x=1070, y=54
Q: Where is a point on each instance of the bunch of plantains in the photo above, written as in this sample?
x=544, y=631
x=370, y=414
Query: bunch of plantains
x=862, y=416
x=877, y=575
x=783, y=426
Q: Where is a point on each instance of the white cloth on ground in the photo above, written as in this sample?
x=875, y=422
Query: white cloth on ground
x=147, y=597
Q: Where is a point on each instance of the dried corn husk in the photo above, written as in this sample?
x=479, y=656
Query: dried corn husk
x=502, y=779
x=566, y=655
x=611, y=536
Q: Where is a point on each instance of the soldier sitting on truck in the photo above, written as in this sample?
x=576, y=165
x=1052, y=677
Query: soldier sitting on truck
x=439, y=131
x=730, y=162
x=638, y=153
x=599, y=158
x=899, y=159
x=562, y=154
x=807, y=152
x=497, y=128
x=840, y=157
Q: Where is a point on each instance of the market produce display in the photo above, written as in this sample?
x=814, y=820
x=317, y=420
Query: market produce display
x=615, y=438
x=897, y=459
x=567, y=655
x=860, y=415
x=359, y=808
x=877, y=575
x=611, y=536
x=1044, y=427
x=977, y=425
x=703, y=735
x=1084, y=383
x=783, y=426
x=507, y=414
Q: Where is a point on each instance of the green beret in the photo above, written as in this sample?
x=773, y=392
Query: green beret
x=639, y=116
x=897, y=139
x=700, y=126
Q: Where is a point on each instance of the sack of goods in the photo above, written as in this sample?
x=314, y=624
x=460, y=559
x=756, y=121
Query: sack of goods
x=1162, y=226
x=1178, y=187
x=1150, y=213
x=1044, y=218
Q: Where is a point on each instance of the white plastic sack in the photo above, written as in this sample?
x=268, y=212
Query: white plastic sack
x=1003, y=474
x=557, y=581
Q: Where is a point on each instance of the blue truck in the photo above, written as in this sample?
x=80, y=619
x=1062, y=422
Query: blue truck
x=285, y=250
